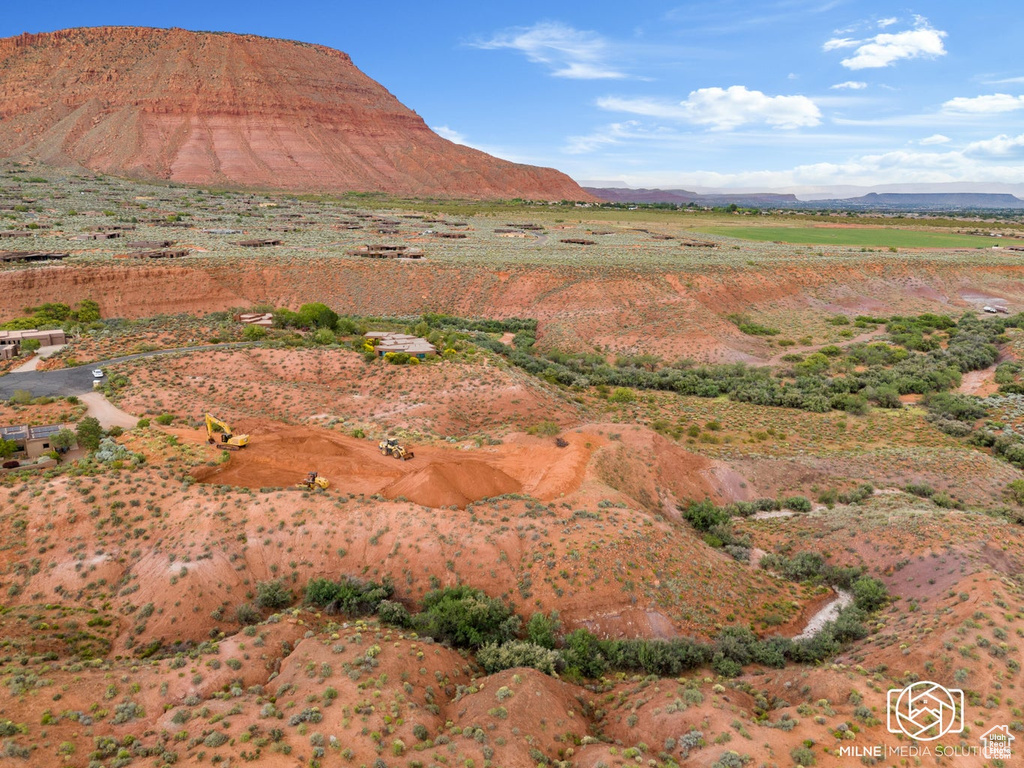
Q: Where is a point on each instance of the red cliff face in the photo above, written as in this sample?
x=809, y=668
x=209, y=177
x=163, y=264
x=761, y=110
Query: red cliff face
x=238, y=110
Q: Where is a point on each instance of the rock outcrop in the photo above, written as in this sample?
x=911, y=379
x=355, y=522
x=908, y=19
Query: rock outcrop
x=234, y=110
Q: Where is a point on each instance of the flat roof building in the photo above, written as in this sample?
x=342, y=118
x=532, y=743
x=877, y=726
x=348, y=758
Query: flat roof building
x=32, y=441
x=402, y=342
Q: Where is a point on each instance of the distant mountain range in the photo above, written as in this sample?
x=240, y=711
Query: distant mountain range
x=683, y=197
x=943, y=201
x=881, y=201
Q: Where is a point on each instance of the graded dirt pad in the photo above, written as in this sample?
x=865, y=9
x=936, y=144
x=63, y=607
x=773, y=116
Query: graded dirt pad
x=639, y=463
x=280, y=456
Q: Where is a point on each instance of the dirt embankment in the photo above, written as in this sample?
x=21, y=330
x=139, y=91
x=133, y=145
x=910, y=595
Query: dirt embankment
x=678, y=312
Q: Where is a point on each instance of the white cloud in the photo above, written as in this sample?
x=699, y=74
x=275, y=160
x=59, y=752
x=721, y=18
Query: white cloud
x=937, y=138
x=1000, y=159
x=1006, y=80
x=867, y=170
x=883, y=23
x=610, y=134
x=840, y=42
x=999, y=146
x=887, y=48
x=725, y=108
x=569, y=52
x=993, y=103
x=449, y=133
x=853, y=85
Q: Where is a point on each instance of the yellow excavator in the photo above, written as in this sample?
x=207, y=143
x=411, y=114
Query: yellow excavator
x=391, y=447
x=230, y=442
x=313, y=481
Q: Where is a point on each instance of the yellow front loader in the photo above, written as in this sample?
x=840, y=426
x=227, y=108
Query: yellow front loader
x=391, y=447
x=313, y=481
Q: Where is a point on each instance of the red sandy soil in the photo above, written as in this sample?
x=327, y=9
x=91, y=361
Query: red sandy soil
x=979, y=383
x=328, y=386
x=674, y=313
x=280, y=456
x=238, y=110
x=138, y=557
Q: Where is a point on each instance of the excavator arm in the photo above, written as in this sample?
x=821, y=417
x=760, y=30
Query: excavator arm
x=231, y=441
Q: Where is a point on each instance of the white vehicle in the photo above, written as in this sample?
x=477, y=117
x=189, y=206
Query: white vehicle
x=97, y=373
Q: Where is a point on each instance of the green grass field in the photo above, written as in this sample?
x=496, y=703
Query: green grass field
x=868, y=237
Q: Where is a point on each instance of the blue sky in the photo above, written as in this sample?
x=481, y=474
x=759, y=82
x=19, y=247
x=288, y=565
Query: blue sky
x=731, y=93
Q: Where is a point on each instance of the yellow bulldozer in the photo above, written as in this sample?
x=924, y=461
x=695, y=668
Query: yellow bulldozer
x=313, y=481
x=391, y=447
x=229, y=441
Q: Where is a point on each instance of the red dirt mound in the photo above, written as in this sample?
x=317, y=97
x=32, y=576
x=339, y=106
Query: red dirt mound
x=452, y=483
x=279, y=455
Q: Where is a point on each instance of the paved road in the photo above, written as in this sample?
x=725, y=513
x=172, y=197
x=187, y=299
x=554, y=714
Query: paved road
x=76, y=381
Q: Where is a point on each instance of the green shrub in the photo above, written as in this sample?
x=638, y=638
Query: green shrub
x=869, y=594
x=544, y=428
x=273, y=594
x=802, y=756
x=1016, y=490
x=517, y=653
x=392, y=612
x=165, y=419
x=324, y=336
x=21, y=397
x=254, y=332
x=216, y=739
x=731, y=760
x=704, y=515
x=622, y=395
x=347, y=595
x=796, y=503
x=246, y=613
x=466, y=617
x=543, y=630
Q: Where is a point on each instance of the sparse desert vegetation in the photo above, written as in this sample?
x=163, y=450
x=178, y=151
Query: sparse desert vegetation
x=641, y=471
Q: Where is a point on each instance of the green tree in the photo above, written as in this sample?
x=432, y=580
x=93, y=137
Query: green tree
x=7, y=448
x=89, y=433
x=31, y=345
x=317, y=315
x=88, y=311
x=63, y=440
